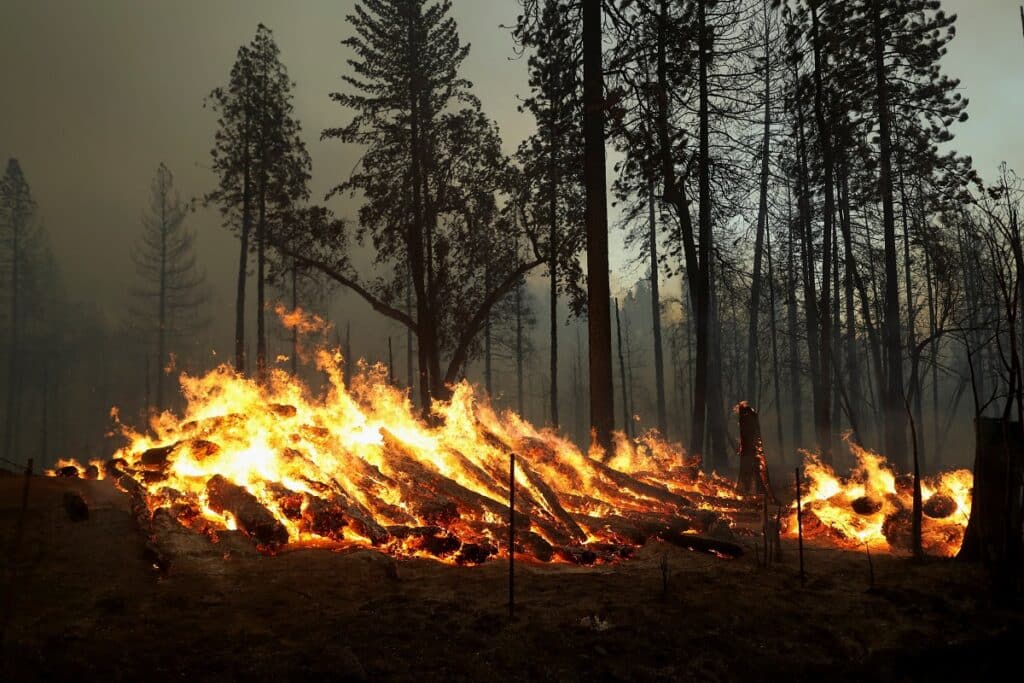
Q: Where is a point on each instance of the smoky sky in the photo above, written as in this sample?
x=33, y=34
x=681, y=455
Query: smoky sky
x=94, y=94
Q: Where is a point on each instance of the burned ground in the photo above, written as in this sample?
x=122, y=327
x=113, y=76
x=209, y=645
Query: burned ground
x=86, y=604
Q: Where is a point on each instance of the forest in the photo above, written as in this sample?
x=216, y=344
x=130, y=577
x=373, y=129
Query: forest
x=806, y=235
x=721, y=211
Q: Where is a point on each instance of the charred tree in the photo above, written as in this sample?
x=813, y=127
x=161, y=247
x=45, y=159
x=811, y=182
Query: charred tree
x=602, y=417
x=753, y=477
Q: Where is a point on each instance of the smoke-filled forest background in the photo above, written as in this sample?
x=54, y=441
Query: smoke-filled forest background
x=145, y=140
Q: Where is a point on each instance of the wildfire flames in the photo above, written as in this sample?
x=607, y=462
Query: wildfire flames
x=356, y=466
x=872, y=506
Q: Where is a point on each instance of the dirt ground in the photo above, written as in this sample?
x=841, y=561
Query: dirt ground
x=81, y=602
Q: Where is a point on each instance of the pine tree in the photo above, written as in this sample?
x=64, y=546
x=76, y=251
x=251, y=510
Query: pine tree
x=552, y=157
x=262, y=167
x=172, y=289
x=17, y=212
x=430, y=174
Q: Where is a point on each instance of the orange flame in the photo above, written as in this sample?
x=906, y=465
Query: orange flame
x=872, y=506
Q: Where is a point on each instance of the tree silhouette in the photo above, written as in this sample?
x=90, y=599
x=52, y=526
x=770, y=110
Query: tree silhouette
x=172, y=291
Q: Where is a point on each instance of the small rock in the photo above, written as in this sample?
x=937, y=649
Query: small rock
x=75, y=506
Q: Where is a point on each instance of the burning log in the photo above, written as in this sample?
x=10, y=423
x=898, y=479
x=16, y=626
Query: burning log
x=576, y=555
x=531, y=544
x=701, y=543
x=551, y=501
x=432, y=540
x=156, y=458
x=252, y=517
x=644, y=490
x=475, y=553
x=897, y=529
x=939, y=506
x=420, y=481
x=865, y=505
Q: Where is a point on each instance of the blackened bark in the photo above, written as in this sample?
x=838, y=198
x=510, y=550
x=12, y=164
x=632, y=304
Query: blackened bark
x=753, y=336
x=602, y=418
x=243, y=253
x=822, y=409
x=894, y=418
x=659, y=359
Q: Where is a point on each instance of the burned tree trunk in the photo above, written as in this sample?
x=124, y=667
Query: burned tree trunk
x=753, y=477
x=994, y=532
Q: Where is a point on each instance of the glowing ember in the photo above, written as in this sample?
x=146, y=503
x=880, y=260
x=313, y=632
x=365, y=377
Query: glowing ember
x=872, y=506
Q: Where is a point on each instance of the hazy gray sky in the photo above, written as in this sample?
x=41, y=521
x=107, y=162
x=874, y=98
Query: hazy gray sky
x=96, y=93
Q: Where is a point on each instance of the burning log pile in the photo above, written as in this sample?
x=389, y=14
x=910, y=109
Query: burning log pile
x=873, y=506
x=357, y=467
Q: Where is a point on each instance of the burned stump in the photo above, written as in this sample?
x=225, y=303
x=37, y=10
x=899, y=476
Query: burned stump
x=753, y=477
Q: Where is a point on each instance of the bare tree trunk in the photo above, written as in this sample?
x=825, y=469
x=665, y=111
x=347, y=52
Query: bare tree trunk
x=753, y=338
x=895, y=418
x=14, y=338
x=409, y=381
x=622, y=372
x=773, y=332
x=295, y=329
x=712, y=371
x=349, y=360
x=579, y=404
x=696, y=251
x=243, y=252
x=795, y=394
x=811, y=313
x=418, y=252
x=261, y=240
x=659, y=360
x=487, y=334
x=553, y=267
x=161, y=341
x=519, y=349
x=630, y=430
x=822, y=409
x=602, y=417
x=933, y=347
x=852, y=369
